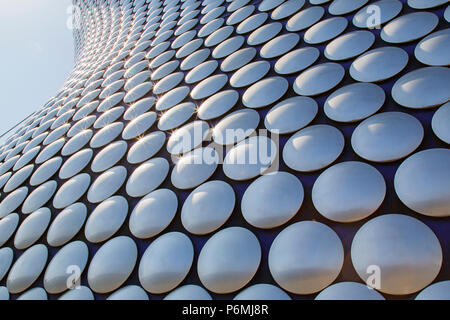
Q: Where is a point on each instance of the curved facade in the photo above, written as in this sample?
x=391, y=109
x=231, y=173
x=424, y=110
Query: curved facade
x=237, y=149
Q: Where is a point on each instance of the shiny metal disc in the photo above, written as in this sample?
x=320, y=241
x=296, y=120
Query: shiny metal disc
x=229, y=260
x=235, y=127
x=265, y=92
x=318, y=79
x=217, y=104
x=106, y=219
x=249, y=74
x=305, y=18
x=306, y=241
x=208, y=207
x=436, y=291
x=422, y=182
x=249, y=158
x=349, y=291
x=176, y=116
x=387, y=136
x=166, y=262
x=291, y=115
x=296, y=60
x=313, y=148
x=440, y=121
x=286, y=192
x=153, y=213
x=354, y=102
x=422, y=88
x=348, y=191
x=194, y=168
x=325, y=30
x=106, y=273
x=409, y=27
x=75, y=163
x=379, y=64
x=434, y=50
x=349, y=45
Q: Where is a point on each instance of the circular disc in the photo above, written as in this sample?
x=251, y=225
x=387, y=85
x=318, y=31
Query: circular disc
x=387, y=9
x=153, y=213
x=349, y=291
x=189, y=292
x=422, y=182
x=305, y=18
x=262, y=291
x=235, y=127
x=306, y=257
x=397, y=243
x=265, y=92
x=106, y=219
x=166, y=262
x=423, y=88
x=147, y=177
x=348, y=191
x=319, y=79
x=194, y=168
x=325, y=30
x=379, y=64
x=217, y=104
x=208, y=207
x=286, y=194
x=387, y=136
x=107, y=273
x=440, y=121
x=296, y=60
x=27, y=268
x=73, y=255
x=409, y=27
x=32, y=228
x=229, y=260
x=291, y=115
x=354, y=102
x=250, y=158
x=176, y=116
x=313, y=148
x=146, y=147
x=66, y=224
x=349, y=45
x=436, y=291
x=106, y=184
x=434, y=50
x=249, y=74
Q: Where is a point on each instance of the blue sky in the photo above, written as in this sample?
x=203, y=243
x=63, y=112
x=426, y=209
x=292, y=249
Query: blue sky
x=36, y=55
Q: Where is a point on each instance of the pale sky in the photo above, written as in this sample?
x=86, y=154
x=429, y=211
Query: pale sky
x=36, y=55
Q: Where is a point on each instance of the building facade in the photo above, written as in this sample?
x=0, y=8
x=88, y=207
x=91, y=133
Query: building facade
x=237, y=149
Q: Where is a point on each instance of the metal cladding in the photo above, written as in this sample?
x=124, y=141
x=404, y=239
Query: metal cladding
x=237, y=149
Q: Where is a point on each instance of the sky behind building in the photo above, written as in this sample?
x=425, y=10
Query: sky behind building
x=36, y=55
